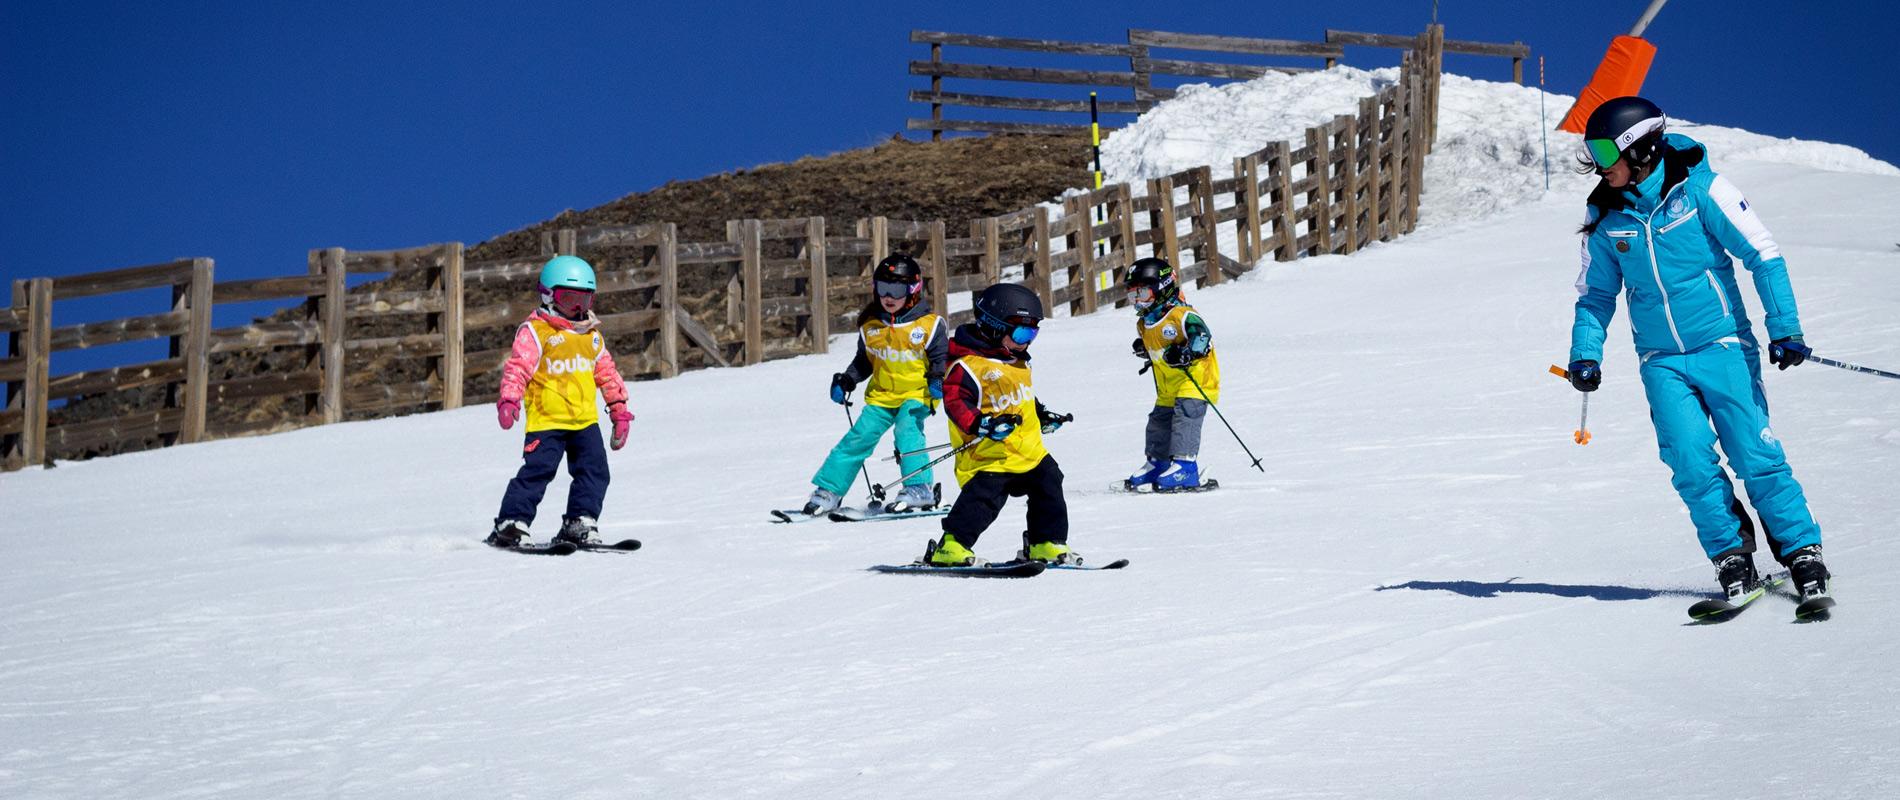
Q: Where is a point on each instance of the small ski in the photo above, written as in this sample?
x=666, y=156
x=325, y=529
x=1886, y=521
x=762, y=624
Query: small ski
x=1116, y=564
x=622, y=546
x=549, y=549
x=1004, y=569
x=794, y=515
x=1719, y=609
x=1206, y=486
x=869, y=515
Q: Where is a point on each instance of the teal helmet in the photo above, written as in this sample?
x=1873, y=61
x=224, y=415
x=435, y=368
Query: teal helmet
x=566, y=272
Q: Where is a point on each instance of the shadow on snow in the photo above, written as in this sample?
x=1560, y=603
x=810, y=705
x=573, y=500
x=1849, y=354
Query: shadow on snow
x=1511, y=586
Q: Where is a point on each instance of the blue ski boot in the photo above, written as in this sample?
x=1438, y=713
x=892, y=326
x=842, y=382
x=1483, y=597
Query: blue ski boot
x=1181, y=475
x=1145, y=475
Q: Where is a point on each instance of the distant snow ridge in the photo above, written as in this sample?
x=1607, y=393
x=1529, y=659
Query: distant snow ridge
x=1488, y=158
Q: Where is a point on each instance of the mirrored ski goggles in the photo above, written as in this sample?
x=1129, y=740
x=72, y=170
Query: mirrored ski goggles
x=1143, y=296
x=571, y=302
x=1604, y=152
x=1022, y=330
x=897, y=290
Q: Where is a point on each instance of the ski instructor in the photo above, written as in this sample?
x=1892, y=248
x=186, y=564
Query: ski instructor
x=1662, y=225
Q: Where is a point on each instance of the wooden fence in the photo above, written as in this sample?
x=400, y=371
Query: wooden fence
x=434, y=331
x=1137, y=82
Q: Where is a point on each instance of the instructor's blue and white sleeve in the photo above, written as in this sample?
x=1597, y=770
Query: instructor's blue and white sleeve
x=1598, y=283
x=1734, y=225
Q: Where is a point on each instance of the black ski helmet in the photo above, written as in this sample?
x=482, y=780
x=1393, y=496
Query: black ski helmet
x=898, y=267
x=999, y=308
x=1156, y=274
x=1624, y=127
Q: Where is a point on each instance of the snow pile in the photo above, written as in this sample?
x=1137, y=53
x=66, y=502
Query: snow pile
x=1488, y=158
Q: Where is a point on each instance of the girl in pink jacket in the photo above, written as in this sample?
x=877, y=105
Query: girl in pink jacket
x=558, y=366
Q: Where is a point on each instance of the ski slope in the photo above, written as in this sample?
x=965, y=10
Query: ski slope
x=1430, y=592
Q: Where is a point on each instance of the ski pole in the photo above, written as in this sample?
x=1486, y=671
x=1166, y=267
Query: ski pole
x=853, y=424
x=877, y=490
x=1853, y=367
x=902, y=453
x=1223, y=418
x=1582, y=434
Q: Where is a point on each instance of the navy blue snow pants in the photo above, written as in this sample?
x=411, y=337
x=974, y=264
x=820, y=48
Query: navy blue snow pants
x=541, y=456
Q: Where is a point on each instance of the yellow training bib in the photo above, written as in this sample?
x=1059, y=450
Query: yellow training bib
x=900, y=360
x=1002, y=387
x=1171, y=382
x=561, y=395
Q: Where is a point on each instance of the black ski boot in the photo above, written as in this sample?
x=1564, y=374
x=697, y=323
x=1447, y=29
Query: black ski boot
x=1736, y=573
x=1809, y=576
x=578, y=531
x=507, y=533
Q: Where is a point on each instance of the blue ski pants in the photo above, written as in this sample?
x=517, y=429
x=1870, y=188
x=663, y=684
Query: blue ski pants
x=841, y=466
x=1715, y=394
x=541, y=457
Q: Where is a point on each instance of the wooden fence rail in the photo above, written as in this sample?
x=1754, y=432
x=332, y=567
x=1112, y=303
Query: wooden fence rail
x=1135, y=82
x=774, y=288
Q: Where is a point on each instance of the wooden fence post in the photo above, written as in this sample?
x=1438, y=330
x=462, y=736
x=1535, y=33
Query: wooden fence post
x=453, y=366
x=668, y=254
x=1321, y=196
x=195, y=347
x=1415, y=154
x=1122, y=213
x=748, y=234
x=1394, y=147
x=990, y=231
x=1081, y=239
x=818, y=285
x=1208, y=221
x=329, y=263
x=38, y=355
x=1247, y=196
x=1163, y=240
x=1368, y=147
x=937, y=268
x=1281, y=167
x=1347, y=138
x=1041, y=263
x=880, y=234
x=936, y=93
x=566, y=242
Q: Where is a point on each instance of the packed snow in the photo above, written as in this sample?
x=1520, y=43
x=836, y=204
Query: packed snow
x=1430, y=591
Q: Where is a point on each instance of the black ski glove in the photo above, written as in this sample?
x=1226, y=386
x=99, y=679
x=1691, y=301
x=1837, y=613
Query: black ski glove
x=841, y=386
x=1179, y=356
x=1788, y=351
x=1051, y=421
x=1585, y=376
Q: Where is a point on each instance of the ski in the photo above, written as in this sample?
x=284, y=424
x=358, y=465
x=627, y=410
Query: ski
x=549, y=549
x=793, y=516
x=1004, y=569
x=622, y=546
x=1116, y=564
x=1206, y=486
x=1813, y=609
x=848, y=514
x=1719, y=609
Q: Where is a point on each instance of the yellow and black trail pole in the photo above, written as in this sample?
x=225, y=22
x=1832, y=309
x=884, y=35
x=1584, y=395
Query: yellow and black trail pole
x=1095, y=146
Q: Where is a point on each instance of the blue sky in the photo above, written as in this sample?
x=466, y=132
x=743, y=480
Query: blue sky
x=252, y=132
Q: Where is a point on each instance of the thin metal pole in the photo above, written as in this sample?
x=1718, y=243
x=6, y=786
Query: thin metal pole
x=1544, y=120
x=1641, y=24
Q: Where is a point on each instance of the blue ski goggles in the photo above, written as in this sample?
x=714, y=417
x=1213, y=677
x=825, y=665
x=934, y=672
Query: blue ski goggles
x=1022, y=331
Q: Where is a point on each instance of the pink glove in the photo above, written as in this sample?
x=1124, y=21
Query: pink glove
x=622, y=420
x=506, y=411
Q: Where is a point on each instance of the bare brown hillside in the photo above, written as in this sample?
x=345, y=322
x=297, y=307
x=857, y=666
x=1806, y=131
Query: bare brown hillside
x=955, y=180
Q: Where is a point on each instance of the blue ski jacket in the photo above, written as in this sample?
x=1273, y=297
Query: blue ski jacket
x=1668, y=243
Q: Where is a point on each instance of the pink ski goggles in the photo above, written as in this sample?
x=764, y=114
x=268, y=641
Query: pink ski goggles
x=571, y=303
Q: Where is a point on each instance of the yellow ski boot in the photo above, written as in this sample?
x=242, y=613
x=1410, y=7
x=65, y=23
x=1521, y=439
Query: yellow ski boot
x=948, y=552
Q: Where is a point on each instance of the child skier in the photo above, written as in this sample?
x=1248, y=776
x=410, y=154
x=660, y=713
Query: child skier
x=1177, y=344
x=901, y=351
x=988, y=396
x=558, y=362
x=1663, y=225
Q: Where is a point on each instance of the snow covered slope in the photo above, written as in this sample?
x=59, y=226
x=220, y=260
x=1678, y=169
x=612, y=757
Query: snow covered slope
x=1430, y=592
